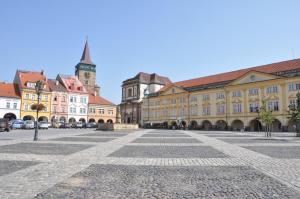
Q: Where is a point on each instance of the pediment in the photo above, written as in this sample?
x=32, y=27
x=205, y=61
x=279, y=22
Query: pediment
x=173, y=90
x=253, y=76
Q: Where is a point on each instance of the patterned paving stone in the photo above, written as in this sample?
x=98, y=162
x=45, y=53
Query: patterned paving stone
x=165, y=135
x=228, y=135
x=287, y=152
x=166, y=140
x=168, y=152
x=125, y=182
x=83, y=139
x=43, y=148
x=254, y=140
x=105, y=134
x=9, y=166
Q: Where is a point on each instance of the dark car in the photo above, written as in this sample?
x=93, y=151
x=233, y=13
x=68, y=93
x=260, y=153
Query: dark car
x=4, y=125
x=65, y=126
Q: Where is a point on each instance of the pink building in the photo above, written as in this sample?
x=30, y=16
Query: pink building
x=59, y=102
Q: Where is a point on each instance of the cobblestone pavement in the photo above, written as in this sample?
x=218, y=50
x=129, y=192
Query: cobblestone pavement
x=149, y=164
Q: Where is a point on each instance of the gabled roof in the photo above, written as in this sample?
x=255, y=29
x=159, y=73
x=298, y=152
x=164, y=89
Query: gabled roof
x=273, y=68
x=72, y=84
x=98, y=100
x=85, y=58
x=147, y=78
x=32, y=77
x=9, y=90
x=55, y=85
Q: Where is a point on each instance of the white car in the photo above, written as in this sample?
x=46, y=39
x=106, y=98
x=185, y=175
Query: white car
x=28, y=124
x=43, y=125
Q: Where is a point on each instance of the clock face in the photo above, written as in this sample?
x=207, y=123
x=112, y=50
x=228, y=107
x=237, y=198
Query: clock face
x=87, y=75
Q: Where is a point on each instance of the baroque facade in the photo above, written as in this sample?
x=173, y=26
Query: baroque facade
x=133, y=92
x=227, y=101
x=10, y=101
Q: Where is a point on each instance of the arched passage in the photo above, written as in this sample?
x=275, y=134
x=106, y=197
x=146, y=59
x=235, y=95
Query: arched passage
x=62, y=119
x=28, y=117
x=194, y=124
x=82, y=120
x=276, y=126
x=206, y=125
x=72, y=120
x=237, y=125
x=100, y=121
x=173, y=124
x=255, y=125
x=92, y=120
x=221, y=125
x=10, y=116
x=183, y=123
x=109, y=121
x=43, y=119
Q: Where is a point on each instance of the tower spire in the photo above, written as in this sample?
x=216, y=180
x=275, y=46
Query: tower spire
x=85, y=58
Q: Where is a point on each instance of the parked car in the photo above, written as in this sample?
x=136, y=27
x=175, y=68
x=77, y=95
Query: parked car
x=28, y=124
x=79, y=125
x=4, y=125
x=43, y=125
x=91, y=125
x=17, y=124
x=65, y=125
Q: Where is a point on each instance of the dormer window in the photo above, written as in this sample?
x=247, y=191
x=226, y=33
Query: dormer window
x=30, y=85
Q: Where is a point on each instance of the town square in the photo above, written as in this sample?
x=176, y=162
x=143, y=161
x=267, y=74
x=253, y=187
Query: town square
x=149, y=99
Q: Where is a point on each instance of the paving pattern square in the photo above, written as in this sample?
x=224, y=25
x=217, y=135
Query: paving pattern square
x=105, y=134
x=136, y=151
x=83, y=139
x=43, y=148
x=9, y=166
x=228, y=135
x=166, y=140
x=283, y=152
x=165, y=135
x=254, y=140
x=126, y=182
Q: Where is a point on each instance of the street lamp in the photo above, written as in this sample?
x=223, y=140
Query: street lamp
x=146, y=94
x=39, y=86
x=257, y=111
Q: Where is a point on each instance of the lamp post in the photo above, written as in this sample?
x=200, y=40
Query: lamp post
x=146, y=94
x=257, y=111
x=39, y=85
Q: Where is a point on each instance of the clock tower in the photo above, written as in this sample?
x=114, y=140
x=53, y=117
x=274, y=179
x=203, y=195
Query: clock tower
x=86, y=71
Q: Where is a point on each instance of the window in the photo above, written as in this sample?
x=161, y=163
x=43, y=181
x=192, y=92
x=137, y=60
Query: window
x=253, y=91
x=72, y=99
x=206, y=110
x=236, y=94
x=45, y=109
x=194, y=111
x=135, y=91
x=82, y=100
x=237, y=107
x=294, y=87
x=173, y=101
x=7, y=104
x=63, y=99
x=220, y=96
x=273, y=105
x=129, y=92
x=54, y=109
x=101, y=111
x=194, y=99
x=82, y=110
x=26, y=107
x=15, y=105
x=72, y=110
x=33, y=97
x=123, y=93
x=205, y=97
x=220, y=109
x=293, y=103
x=110, y=112
x=55, y=98
x=86, y=82
x=63, y=109
x=46, y=97
x=272, y=89
x=253, y=107
x=27, y=96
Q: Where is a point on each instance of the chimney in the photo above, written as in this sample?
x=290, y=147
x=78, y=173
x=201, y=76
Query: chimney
x=42, y=72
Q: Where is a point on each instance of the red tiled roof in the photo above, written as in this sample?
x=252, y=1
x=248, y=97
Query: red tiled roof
x=32, y=77
x=9, y=90
x=98, y=100
x=230, y=76
x=55, y=85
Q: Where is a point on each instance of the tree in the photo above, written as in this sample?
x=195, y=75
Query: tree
x=294, y=114
x=267, y=118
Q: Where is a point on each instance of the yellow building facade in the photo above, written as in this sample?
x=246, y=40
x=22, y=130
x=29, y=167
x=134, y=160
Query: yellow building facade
x=228, y=101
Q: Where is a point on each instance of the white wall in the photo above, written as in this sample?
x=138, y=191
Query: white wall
x=77, y=105
x=4, y=110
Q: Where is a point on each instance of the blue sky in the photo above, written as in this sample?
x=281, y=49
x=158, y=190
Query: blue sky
x=181, y=39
